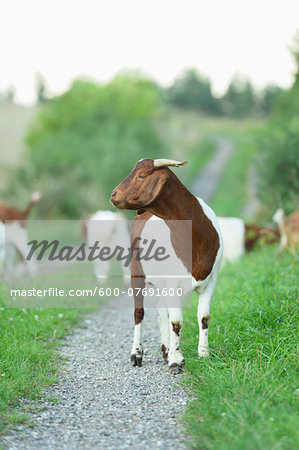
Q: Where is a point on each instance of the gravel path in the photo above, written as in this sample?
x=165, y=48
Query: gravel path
x=104, y=403
x=206, y=183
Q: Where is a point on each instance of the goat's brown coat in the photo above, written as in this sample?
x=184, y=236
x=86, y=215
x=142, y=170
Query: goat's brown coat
x=164, y=196
x=12, y=213
x=137, y=274
x=177, y=203
x=255, y=234
x=290, y=228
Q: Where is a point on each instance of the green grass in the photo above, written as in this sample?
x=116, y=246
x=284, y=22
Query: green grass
x=245, y=394
x=28, y=360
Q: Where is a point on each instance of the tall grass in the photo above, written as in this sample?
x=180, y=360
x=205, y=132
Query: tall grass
x=246, y=395
x=28, y=360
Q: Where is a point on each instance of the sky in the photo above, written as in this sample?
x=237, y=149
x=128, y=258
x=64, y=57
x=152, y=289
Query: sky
x=64, y=39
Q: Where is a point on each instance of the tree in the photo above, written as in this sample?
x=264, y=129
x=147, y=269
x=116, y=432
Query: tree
x=84, y=142
x=192, y=91
x=278, y=162
x=295, y=53
x=10, y=94
x=269, y=97
x=41, y=88
x=239, y=99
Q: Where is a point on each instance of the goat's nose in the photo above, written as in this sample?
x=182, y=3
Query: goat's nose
x=113, y=194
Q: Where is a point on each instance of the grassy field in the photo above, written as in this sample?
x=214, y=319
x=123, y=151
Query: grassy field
x=246, y=395
x=28, y=360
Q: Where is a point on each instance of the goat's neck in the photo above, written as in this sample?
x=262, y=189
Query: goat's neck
x=175, y=202
x=28, y=209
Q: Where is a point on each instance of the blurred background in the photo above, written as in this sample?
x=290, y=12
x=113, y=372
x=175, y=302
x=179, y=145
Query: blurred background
x=88, y=88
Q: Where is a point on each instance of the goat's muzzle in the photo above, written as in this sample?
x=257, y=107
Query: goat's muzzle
x=115, y=200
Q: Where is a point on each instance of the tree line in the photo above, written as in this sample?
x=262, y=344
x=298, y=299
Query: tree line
x=192, y=91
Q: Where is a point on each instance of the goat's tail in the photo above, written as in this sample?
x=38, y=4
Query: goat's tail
x=35, y=198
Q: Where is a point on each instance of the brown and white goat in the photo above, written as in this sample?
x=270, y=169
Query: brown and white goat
x=13, y=234
x=20, y=215
x=289, y=229
x=154, y=191
x=255, y=234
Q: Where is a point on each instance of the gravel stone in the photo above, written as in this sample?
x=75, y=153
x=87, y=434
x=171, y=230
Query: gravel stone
x=103, y=402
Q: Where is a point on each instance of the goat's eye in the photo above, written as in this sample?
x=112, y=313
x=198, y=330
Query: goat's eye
x=141, y=177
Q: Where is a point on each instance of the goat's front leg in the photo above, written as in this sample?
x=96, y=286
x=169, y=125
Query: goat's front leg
x=203, y=315
x=175, y=357
x=137, y=349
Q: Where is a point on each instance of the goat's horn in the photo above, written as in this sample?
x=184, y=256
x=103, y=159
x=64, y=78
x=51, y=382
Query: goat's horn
x=168, y=162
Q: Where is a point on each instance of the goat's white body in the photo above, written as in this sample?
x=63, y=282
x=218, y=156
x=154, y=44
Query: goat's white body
x=173, y=274
x=233, y=235
x=109, y=229
x=14, y=237
x=168, y=273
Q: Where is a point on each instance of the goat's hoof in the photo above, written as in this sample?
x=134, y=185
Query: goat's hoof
x=136, y=361
x=176, y=368
x=165, y=353
x=203, y=353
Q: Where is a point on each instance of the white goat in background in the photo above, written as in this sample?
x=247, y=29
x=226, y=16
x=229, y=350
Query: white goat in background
x=109, y=229
x=13, y=247
x=233, y=235
x=240, y=237
x=14, y=237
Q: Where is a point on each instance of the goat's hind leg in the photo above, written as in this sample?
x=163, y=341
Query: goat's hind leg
x=203, y=315
x=175, y=357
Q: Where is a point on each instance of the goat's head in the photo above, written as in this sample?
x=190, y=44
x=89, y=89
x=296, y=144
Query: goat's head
x=144, y=184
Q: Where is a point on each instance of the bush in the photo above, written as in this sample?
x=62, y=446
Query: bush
x=278, y=170
x=84, y=142
x=278, y=164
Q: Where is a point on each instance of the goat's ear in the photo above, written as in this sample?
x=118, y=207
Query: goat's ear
x=152, y=187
